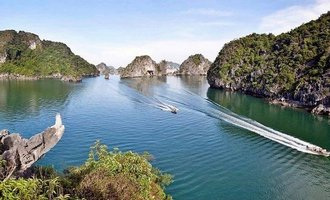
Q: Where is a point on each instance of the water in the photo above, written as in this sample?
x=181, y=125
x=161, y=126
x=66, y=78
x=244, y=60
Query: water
x=210, y=157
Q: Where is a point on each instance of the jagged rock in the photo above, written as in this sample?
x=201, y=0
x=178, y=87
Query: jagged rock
x=120, y=70
x=20, y=153
x=141, y=66
x=168, y=67
x=104, y=69
x=71, y=79
x=4, y=133
x=321, y=110
x=3, y=58
x=17, y=77
x=195, y=65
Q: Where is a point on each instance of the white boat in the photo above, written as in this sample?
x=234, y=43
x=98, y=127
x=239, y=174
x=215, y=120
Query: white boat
x=318, y=151
x=169, y=108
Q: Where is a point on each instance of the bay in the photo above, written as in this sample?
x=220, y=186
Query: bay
x=209, y=157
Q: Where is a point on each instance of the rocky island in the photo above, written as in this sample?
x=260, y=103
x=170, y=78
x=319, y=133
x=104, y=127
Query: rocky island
x=143, y=66
x=24, y=55
x=168, y=67
x=105, y=69
x=195, y=65
x=291, y=69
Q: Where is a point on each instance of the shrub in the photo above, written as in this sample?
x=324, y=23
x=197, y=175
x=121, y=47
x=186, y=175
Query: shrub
x=105, y=175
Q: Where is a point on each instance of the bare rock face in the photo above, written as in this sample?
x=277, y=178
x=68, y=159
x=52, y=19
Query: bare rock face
x=3, y=58
x=104, y=69
x=195, y=65
x=168, y=67
x=321, y=110
x=32, y=40
x=141, y=66
x=20, y=153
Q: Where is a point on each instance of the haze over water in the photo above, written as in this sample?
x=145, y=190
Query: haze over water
x=209, y=157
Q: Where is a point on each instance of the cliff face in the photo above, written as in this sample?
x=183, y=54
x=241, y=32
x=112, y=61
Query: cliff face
x=23, y=54
x=145, y=66
x=168, y=67
x=195, y=65
x=141, y=66
x=290, y=69
x=104, y=69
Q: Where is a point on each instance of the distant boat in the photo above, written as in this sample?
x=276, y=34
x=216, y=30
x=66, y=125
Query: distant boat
x=173, y=109
x=169, y=108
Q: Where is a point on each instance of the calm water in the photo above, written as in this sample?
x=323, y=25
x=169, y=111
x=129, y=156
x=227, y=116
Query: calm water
x=209, y=157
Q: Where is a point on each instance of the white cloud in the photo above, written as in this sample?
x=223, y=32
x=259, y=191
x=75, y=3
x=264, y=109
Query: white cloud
x=172, y=50
x=207, y=12
x=291, y=17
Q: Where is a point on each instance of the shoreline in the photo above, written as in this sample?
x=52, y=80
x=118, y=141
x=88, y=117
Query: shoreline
x=7, y=76
x=318, y=109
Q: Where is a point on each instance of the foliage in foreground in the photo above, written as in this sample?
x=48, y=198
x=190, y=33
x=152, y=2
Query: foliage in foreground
x=105, y=175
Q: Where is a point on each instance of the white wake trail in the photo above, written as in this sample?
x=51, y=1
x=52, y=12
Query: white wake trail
x=270, y=133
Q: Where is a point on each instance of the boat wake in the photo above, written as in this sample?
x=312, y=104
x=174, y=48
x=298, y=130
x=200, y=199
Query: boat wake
x=219, y=112
x=165, y=107
x=267, y=132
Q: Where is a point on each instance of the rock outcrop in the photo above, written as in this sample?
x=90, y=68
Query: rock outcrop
x=144, y=66
x=195, y=65
x=23, y=54
x=104, y=69
x=141, y=66
x=120, y=70
x=290, y=69
x=168, y=67
x=20, y=153
x=321, y=110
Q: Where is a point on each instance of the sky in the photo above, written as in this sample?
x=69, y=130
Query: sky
x=115, y=32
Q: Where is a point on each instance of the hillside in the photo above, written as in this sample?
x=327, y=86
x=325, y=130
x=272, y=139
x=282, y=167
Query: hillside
x=195, y=65
x=24, y=54
x=290, y=69
x=141, y=66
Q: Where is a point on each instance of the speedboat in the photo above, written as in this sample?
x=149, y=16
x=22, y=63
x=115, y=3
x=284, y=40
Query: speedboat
x=318, y=151
x=169, y=108
x=173, y=109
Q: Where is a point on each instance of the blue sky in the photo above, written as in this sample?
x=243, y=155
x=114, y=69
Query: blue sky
x=115, y=32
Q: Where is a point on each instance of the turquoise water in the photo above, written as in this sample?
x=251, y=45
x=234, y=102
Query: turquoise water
x=209, y=157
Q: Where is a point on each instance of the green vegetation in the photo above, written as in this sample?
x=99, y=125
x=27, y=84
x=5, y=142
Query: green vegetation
x=105, y=175
x=26, y=54
x=197, y=59
x=290, y=65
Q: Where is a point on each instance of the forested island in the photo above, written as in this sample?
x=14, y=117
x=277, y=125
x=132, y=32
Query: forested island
x=24, y=55
x=291, y=69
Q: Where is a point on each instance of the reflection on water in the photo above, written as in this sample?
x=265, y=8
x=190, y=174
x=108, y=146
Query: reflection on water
x=144, y=85
x=196, y=84
x=26, y=98
x=295, y=122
